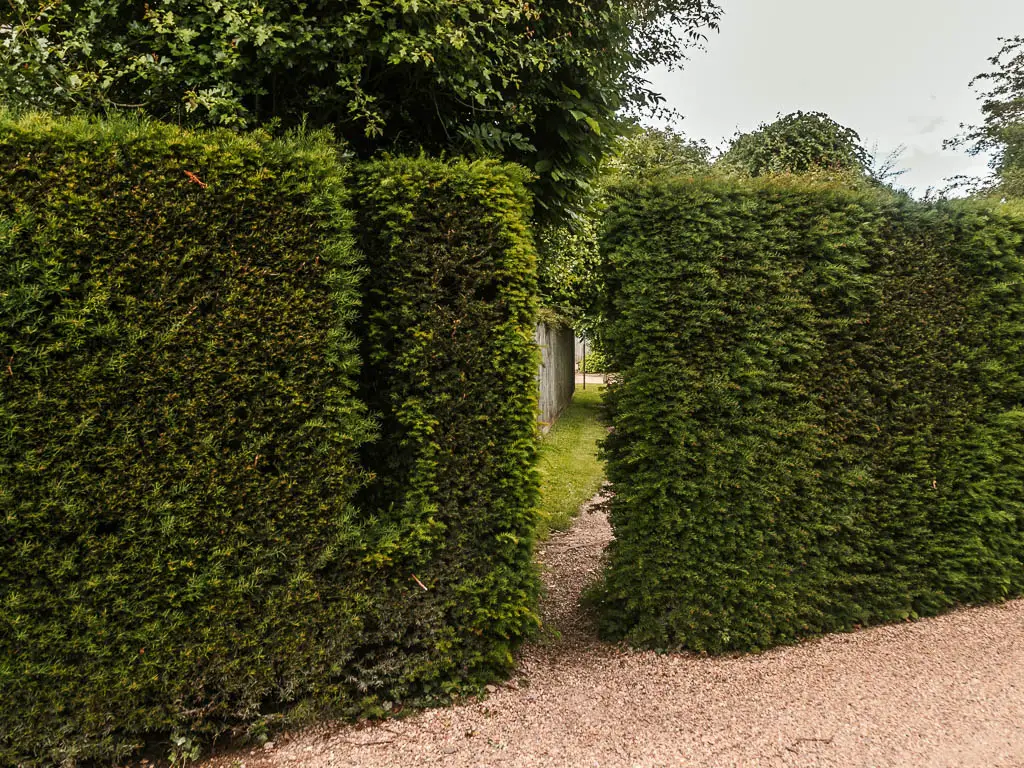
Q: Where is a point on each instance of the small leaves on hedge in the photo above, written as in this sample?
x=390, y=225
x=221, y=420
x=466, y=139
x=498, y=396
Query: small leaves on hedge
x=188, y=543
x=451, y=364
x=818, y=424
x=179, y=429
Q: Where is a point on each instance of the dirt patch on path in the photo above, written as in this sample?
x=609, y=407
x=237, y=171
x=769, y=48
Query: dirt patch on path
x=939, y=692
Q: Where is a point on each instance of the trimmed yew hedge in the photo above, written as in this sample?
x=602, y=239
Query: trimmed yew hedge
x=178, y=432
x=450, y=367
x=189, y=539
x=819, y=420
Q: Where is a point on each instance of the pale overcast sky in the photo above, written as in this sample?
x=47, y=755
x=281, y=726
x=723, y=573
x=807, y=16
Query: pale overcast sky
x=896, y=71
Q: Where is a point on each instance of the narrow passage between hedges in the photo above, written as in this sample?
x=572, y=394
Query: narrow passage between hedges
x=947, y=691
x=570, y=471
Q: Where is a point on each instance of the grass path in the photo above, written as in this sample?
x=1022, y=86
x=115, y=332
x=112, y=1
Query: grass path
x=570, y=472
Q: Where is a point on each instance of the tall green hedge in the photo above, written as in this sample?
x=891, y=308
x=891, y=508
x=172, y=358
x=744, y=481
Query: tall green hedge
x=819, y=421
x=450, y=370
x=178, y=432
x=190, y=540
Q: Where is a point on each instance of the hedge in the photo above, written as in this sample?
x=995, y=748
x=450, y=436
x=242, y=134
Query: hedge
x=450, y=368
x=190, y=541
x=178, y=431
x=818, y=424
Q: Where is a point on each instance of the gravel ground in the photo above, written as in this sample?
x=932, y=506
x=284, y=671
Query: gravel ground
x=939, y=692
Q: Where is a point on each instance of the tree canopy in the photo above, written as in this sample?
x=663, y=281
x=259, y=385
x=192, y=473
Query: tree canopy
x=569, y=271
x=797, y=143
x=1002, y=129
x=653, y=151
x=540, y=82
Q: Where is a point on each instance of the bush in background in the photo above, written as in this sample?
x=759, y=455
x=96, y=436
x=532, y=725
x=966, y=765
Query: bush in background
x=818, y=423
x=595, y=360
x=178, y=432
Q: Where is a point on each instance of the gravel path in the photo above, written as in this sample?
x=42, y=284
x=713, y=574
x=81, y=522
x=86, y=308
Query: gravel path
x=940, y=692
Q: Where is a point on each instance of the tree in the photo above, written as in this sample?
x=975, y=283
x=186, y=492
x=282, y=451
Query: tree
x=1002, y=129
x=797, y=143
x=651, y=151
x=540, y=82
x=571, y=269
x=885, y=169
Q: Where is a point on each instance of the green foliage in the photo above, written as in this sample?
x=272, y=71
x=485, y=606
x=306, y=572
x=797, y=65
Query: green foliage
x=541, y=83
x=570, y=470
x=596, y=361
x=569, y=270
x=450, y=367
x=818, y=423
x=1010, y=167
x=797, y=143
x=652, y=152
x=1002, y=130
x=197, y=533
x=178, y=433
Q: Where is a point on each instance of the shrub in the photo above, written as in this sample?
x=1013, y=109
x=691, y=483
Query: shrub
x=818, y=423
x=178, y=432
x=191, y=541
x=450, y=368
x=595, y=361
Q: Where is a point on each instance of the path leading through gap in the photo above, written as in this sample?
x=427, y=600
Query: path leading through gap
x=939, y=692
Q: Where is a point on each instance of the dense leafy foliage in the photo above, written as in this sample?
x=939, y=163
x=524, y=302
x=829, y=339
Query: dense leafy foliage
x=797, y=143
x=450, y=367
x=819, y=417
x=179, y=432
x=596, y=361
x=571, y=271
x=1002, y=130
x=188, y=539
x=654, y=152
x=537, y=82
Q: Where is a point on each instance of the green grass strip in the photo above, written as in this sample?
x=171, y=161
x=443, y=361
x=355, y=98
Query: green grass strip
x=570, y=472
